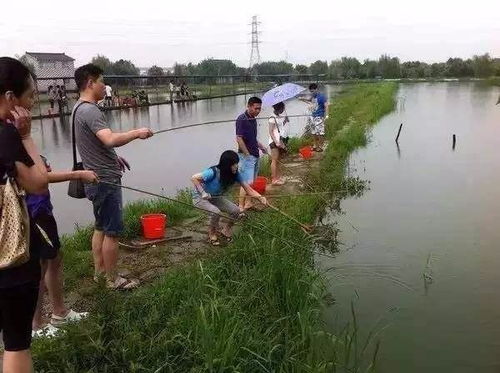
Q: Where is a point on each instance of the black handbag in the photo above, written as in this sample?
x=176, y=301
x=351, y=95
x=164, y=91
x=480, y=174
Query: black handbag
x=76, y=188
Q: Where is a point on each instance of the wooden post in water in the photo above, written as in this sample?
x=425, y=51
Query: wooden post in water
x=454, y=141
x=399, y=132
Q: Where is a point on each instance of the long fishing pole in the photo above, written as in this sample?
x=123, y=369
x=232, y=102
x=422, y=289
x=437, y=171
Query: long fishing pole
x=218, y=122
x=235, y=221
x=290, y=195
x=309, y=186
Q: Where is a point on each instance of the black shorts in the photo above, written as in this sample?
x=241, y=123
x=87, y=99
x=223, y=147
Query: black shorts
x=284, y=140
x=49, y=236
x=17, y=307
x=51, y=102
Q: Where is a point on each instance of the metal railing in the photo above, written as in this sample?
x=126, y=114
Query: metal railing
x=137, y=90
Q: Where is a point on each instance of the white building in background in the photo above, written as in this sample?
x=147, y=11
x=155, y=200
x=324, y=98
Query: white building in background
x=58, y=66
x=167, y=70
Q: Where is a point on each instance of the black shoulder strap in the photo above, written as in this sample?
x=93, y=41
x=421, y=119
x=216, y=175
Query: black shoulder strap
x=277, y=126
x=73, y=136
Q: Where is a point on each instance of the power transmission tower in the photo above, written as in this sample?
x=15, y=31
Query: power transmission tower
x=255, y=54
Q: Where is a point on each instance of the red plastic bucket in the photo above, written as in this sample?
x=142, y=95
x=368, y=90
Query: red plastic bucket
x=306, y=152
x=153, y=226
x=259, y=185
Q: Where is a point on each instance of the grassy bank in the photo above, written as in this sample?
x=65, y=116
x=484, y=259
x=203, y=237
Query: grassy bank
x=494, y=81
x=255, y=307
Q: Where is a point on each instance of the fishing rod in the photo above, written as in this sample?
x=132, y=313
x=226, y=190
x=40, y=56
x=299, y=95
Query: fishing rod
x=306, y=228
x=221, y=121
x=290, y=195
x=309, y=186
x=235, y=221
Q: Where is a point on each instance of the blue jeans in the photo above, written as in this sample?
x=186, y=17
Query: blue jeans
x=108, y=205
x=248, y=167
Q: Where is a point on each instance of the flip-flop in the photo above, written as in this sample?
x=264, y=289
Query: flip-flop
x=213, y=241
x=228, y=239
x=122, y=283
x=97, y=276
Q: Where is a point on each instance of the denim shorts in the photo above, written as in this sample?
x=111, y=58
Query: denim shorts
x=248, y=168
x=108, y=204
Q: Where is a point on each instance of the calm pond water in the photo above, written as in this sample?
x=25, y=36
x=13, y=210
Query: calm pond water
x=164, y=163
x=424, y=267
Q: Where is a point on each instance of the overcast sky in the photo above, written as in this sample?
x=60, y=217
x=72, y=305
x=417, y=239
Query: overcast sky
x=163, y=32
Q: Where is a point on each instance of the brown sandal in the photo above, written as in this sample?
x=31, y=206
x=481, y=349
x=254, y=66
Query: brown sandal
x=122, y=283
x=214, y=241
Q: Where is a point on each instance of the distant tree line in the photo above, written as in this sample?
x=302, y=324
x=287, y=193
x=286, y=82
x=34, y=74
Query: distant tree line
x=387, y=67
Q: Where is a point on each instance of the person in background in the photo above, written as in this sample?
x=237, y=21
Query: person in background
x=319, y=115
x=248, y=147
x=58, y=98
x=40, y=211
x=183, y=90
x=209, y=188
x=19, y=159
x=109, y=96
x=50, y=95
x=278, y=139
x=171, y=89
x=96, y=142
x=64, y=98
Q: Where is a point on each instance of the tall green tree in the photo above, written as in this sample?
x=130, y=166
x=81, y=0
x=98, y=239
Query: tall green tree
x=215, y=67
x=335, y=70
x=125, y=67
x=104, y=63
x=413, y=69
x=155, y=71
x=458, y=68
x=438, y=70
x=350, y=67
x=301, y=69
x=274, y=68
x=389, y=67
x=483, y=66
x=319, y=68
x=369, y=69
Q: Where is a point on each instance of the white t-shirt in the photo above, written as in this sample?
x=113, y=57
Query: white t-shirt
x=109, y=91
x=277, y=123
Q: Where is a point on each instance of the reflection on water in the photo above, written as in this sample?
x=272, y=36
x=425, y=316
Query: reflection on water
x=425, y=261
x=166, y=161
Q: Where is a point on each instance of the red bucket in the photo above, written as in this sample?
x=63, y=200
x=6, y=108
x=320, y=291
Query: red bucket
x=306, y=152
x=259, y=185
x=153, y=226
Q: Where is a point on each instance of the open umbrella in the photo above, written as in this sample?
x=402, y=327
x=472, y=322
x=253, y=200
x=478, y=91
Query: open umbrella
x=281, y=93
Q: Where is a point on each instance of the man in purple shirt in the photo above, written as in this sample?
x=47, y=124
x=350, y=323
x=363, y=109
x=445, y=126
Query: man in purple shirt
x=248, y=147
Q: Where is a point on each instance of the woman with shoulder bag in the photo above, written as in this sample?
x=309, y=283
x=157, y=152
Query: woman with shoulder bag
x=21, y=170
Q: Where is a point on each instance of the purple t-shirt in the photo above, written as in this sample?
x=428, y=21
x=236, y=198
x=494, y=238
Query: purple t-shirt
x=246, y=128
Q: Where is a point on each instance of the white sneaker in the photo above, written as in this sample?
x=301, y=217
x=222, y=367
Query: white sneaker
x=70, y=317
x=48, y=331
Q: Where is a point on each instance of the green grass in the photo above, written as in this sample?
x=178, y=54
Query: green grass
x=265, y=166
x=295, y=143
x=494, y=81
x=255, y=307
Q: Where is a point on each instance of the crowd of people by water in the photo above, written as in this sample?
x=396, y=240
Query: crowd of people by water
x=30, y=255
